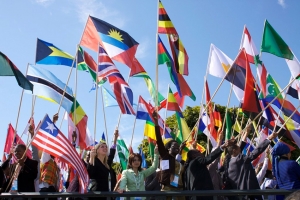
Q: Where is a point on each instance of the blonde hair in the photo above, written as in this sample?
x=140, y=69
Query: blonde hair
x=106, y=157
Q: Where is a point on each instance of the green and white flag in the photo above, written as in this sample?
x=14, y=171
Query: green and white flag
x=123, y=153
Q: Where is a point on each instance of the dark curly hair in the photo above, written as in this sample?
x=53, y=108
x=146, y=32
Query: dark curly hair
x=168, y=144
x=131, y=158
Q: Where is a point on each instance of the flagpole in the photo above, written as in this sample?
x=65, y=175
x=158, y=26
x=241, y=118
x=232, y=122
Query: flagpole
x=75, y=95
x=156, y=60
x=104, y=115
x=119, y=119
x=19, y=109
x=166, y=111
x=96, y=102
x=137, y=108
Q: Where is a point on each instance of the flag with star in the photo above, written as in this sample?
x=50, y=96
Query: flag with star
x=51, y=140
x=48, y=54
x=119, y=45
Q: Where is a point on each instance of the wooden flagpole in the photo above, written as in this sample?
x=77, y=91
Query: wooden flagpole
x=104, y=115
x=137, y=108
x=156, y=60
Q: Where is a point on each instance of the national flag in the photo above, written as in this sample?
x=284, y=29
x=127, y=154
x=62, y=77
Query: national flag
x=138, y=71
x=49, y=87
x=179, y=54
x=80, y=119
x=178, y=80
x=199, y=147
x=51, y=140
x=11, y=141
x=8, y=68
x=81, y=64
x=217, y=117
x=274, y=44
x=219, y=65
x=294, y=89
x=249, y=147
x=179, y=100
x=237, y=76
x=204, y=126
x=48, y=54
x=211, y=128
x=262, y=136
x=172, y=103
x=165, y=24
x=251, y=103
x=119, y=44
x=103, y=140
x=152, y=144
x=123, y=153
x=92, y=67
x=121, y=89
x=228, y=126
x=144, y=162
x=108, y=98
x=144, y=111
x=294, y=67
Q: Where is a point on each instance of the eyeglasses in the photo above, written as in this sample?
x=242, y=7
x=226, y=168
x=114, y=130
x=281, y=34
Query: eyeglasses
x=134, y=160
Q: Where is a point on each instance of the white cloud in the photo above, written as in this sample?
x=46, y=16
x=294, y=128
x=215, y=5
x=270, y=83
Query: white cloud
x=99, y=10
x=44, y=2
x=282, y=3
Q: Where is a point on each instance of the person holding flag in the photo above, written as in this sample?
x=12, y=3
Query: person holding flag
x=102, y=175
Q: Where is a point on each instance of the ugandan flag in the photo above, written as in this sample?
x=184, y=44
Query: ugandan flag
x=165, y=24
x=48, y=54
x=80, y=119
x=118, y=44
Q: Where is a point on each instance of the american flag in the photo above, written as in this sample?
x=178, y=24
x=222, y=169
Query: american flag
x=122, y=91
x=49, y=139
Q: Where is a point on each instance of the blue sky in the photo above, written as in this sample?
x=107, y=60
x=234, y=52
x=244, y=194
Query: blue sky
x=199, y=23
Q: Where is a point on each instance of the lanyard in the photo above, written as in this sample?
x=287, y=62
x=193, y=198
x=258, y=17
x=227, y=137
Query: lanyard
x=137, y=180
x=179, y=169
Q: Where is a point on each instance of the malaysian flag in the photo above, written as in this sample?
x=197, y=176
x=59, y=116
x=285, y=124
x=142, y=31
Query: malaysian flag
x=49, y=139
x=122, y=91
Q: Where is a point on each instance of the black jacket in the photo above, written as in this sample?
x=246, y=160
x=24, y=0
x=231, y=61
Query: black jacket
x=196, y=175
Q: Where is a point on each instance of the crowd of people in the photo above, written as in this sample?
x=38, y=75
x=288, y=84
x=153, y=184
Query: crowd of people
x=168, y=172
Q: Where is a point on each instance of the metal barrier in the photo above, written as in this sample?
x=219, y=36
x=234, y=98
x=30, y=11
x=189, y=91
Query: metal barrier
x=159, y=194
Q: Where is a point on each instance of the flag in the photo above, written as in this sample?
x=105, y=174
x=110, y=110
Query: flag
x=80, y=121
x=144, y=111
x=92, y=67
x=144, y=162
x=294, y=67
x=12, y=141
x=7, y=68
x=48, y=54
x=179, y=100
x=217, y=117
x=172, y=103
x=228, y=126
x=138, y=71
x=123, y=153
x=274, y=44
x=178, y=80
x=121, y=89
x=52, y=141
x=108, y=98
x=81, y=64
x=249, y=147
x=103, y=140
x=250, y=103
x=165, y=24
x=49, y=87
x=219, y=64
x=211, y=126
x=119, y=44
x=179, y=54
x=204, y=126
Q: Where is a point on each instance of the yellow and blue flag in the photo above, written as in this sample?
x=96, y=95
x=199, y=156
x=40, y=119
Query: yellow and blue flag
x=48, y=54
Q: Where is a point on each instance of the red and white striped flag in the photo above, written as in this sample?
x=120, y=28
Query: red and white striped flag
x=49, y=139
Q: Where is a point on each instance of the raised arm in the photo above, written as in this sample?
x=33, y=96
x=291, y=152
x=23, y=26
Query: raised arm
x=154, y=165
x=161, y=147
x=113, y=148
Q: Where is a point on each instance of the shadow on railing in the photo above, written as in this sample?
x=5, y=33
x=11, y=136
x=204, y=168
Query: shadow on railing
x=150, y=194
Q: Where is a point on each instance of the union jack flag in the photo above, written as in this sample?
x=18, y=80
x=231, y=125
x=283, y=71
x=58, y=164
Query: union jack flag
x=122, y=91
